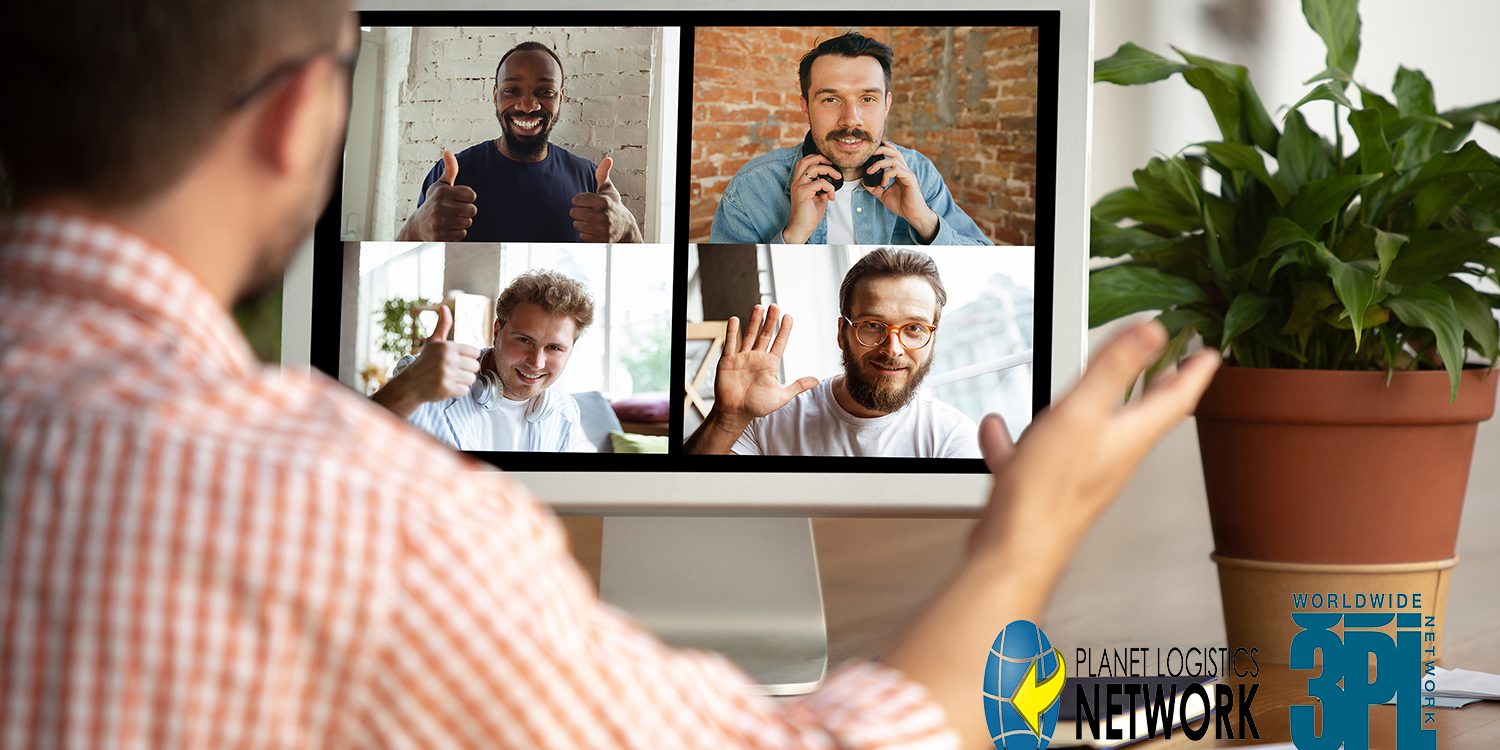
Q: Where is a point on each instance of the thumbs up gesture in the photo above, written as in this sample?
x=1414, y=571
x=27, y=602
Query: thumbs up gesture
x=444, y=369
x=447, y=210
x=601, y=216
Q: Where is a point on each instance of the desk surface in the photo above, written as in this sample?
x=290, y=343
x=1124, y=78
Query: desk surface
x=1143, y=578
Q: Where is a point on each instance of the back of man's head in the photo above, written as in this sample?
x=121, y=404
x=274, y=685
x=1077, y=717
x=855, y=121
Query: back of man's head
x=112, y=101
x=891, y=262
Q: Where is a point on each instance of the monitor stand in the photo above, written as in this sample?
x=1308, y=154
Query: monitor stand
x=745, y=587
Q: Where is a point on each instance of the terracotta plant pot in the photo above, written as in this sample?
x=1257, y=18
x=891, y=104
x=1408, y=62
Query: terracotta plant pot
x=1333, y=481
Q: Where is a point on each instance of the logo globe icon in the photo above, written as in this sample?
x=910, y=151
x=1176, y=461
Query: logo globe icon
x=1023, y=680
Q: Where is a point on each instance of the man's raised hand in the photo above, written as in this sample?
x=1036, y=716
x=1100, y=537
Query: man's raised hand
x=601, y=216
x=446, y=213
x=443, y=370
x=747, y=383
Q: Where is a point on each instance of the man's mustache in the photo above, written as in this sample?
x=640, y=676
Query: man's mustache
x=850, y=133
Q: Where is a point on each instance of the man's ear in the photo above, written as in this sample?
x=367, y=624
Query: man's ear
x=291, y=127
x=839, y=333
x=888, y=99
x=803, y=101
x=495, y=94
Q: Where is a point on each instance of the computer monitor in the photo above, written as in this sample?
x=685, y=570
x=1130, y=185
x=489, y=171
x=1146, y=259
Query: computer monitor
x=996, y=98
x=985, y=107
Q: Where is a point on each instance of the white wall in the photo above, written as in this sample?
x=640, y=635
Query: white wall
x=1452, y=41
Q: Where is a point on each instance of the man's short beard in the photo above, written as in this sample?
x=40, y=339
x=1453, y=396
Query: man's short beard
x=531, y=147
x=869, y=394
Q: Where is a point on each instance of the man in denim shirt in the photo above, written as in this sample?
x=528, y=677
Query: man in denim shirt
x=783, y=197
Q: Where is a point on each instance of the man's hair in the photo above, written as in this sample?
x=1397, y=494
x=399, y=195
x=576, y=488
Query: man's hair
x=555, y=293
x=850, y=44
x=889, y=262
x=115, y=101
x=529, y=47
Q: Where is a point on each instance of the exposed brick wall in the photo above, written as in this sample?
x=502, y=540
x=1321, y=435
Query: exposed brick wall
x=607, y=80
x=966, y=98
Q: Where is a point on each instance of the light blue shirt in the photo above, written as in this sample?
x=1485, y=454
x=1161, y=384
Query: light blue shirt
x=757, y=203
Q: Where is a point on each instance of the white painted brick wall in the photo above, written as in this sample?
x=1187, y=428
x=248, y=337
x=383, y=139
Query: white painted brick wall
x=607, y=81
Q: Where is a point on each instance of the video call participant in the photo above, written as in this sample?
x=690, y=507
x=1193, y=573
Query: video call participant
x=309, y=571
x=519, y=187
x=500, y=399
x=889, y=306
x=781, y=197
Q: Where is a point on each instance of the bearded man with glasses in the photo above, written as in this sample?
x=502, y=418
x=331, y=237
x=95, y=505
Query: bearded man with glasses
x=889, y=305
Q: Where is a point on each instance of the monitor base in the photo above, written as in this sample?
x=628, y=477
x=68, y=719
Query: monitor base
x=745, y=587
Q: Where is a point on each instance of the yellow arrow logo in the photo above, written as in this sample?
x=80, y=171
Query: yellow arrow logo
x=1032, y=698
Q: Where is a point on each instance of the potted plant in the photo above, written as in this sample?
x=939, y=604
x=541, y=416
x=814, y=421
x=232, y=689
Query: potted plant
x=1338, y=276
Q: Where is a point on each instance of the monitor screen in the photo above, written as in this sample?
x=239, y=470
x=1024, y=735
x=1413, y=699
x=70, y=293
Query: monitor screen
x=585, y=213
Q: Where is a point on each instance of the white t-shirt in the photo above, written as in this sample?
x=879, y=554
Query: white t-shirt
x=814, y=424
x=841, y=215
x=506, y=429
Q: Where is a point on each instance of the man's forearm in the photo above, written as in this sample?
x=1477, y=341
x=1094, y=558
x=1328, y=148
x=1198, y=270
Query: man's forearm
x=717, y=434
x=946, y=646
x=397, y=398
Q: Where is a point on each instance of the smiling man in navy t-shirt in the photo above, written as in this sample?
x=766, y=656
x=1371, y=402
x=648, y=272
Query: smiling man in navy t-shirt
x=519, y=187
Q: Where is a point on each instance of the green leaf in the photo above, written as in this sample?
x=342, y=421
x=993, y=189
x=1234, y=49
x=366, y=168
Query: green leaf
x=1131, y=65
x=1330, y=74
x=1433, y=254
x=1387, y=247
x=1320, y=201
x=1117, y=291
x=1374, y=150
x=1309, y=300
x=1430, y=306
x=1437, y=199
x=1326, y=91
x=1223, y=100
x=1354, y=283
x=1472, y=159
x=1168, y=185
x=1282, y=232
x=1488, y=113
x=1244, y=313
x=1337, y=21
x=1236, y=105
x=1128, y=203
x=1246, y=159
x=1413, y=93
x=1388, y=112
x=1392, y=351
x=1476, y=315
x=1109, y=241
x=1303, y=154
x=1419, y=124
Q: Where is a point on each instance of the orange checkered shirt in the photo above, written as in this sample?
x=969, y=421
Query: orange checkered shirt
x=197, y=551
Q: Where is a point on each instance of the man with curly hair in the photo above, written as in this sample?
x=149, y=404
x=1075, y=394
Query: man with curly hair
x=500, y=399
